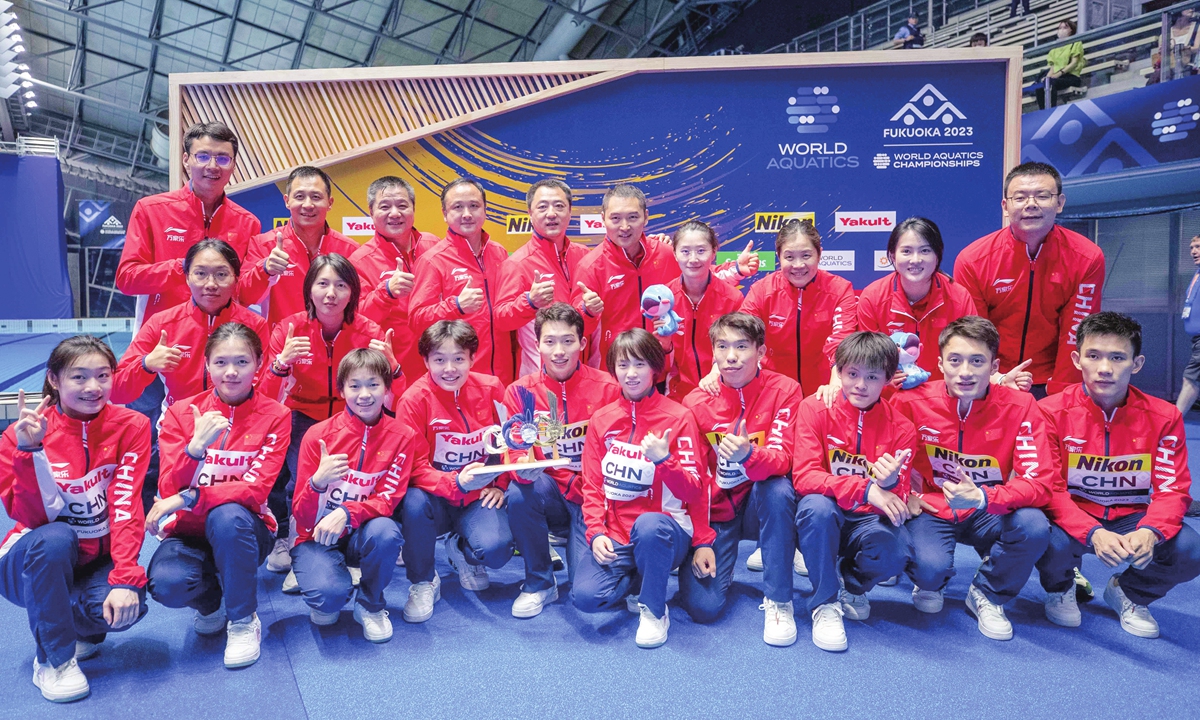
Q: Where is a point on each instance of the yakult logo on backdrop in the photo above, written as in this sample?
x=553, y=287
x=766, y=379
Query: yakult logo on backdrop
x=358, y=226
x=591, y=224
x=882, y=221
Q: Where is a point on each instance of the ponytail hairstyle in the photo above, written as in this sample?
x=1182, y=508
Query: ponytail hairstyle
x=68, y=352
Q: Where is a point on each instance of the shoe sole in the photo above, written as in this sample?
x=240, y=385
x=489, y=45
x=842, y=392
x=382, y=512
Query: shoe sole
x=1065, y=622
x=242, y=663
x=210, y=633
x=415, y=619
x=781, y=642
x=325, y=623
x=841, y=647
x=278, y=568
x=64, y=698
x=979, y=623
x=853, y=614
x=1111, y=600
x=651, y=645
x=368, y=638
x=526, y=614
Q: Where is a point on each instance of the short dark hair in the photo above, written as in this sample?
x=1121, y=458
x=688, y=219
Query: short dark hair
x=463, y=181
x=623, y=190
x=978, y=37
x=871, y=349
x=389, y=182
x=550, y=183
x=220, y=246
x=345, y=271
x=972, y=327
x=559, y=312
x=67, y=352
x=234, y=331
x=308, y=171
x=793, y=229
x=1033, y=168
x=746, y=324
x=216, y=130
x=639, y=345
x=1070, y=25
x=700, y=227
x=1111, y=323
x=363, y=359
x=458, y=332
x=926, y=229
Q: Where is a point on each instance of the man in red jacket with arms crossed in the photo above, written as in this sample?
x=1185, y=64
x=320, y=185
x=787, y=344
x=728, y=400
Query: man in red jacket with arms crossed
x=1122, y=482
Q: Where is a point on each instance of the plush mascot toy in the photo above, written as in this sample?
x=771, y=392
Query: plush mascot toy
x=659, y=302
x=910, y=347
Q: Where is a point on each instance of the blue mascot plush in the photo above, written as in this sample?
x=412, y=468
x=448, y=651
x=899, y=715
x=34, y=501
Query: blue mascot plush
x=659, y=302
x=910, y=346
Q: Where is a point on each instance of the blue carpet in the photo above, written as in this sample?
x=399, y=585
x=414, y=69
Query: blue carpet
x=474, y=660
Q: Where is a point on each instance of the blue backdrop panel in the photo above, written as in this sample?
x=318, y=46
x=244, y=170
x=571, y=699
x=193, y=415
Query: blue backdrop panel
x=33, y=244
x=1140, y=128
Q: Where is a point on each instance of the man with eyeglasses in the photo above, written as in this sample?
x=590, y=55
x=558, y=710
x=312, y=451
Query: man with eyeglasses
x=1034, y=279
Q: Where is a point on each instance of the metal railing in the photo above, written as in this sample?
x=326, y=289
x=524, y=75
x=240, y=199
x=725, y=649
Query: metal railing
x=45, y=147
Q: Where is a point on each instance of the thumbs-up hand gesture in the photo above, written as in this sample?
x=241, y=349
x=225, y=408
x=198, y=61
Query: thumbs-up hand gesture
x=278, y=260
x=164, y=357
x=747, y=261
x=385, y=346
x=541, y=294
x=1019, y=378
x=294, y=348
x=30, y=426
x=400, y=283
x=470, y=299
x=736, y=447
x=655, y=448
x=886, y=470
x=962, y=494
x=331, y=468
x=208, y=428
x=591, y=300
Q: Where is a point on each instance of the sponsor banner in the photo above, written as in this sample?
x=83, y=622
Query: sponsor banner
x=358, y=227
x=770, y=222
x=882, y=264
x=837, y=261
x=518, y=225
x=591, y=224
x=867, y=221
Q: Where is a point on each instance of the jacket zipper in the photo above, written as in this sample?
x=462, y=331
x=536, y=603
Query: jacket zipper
x=1028, y=310
x=799, y=317
x=858, y=437
x=961, y=420
x=1107, y=428
x=461, y=414
x=329, y=374
x=204, y=370
x=362, y=449
x=87, y=453
x=695, y=317
x=228, y=430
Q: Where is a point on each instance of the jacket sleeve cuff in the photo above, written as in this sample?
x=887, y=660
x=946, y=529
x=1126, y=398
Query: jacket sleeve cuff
x=1156, y=531
x=1088, y=540
x=530, y=300
x=144, y=368
x=983, y=504
x=660, y=462
x=458, y=305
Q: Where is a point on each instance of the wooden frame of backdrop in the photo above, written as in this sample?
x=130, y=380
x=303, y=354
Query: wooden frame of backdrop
x=267, y=107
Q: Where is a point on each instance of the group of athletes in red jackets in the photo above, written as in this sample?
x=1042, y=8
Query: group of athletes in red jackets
x=329, y=409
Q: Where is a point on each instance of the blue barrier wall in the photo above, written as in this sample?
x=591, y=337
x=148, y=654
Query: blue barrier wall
x=33, y=243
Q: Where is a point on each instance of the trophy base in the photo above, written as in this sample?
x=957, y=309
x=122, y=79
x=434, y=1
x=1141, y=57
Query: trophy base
x=511, y=467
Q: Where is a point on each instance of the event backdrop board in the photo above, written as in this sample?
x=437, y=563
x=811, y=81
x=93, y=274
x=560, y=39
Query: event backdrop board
x=856, y=148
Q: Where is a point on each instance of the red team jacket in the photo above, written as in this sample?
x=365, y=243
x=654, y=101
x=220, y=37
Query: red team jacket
x=1001, y=444
x=883, y=307
x=188, y=327
x=538, y=260
x=1035, y=304
x=283, y=295
x=382, y=457
x=240, y=467
x=607, y=270
x=765, y=409
x=311, y=387
x=442, y=273
x=375, y=262
x=578, y=399
x=693, y=356
x=620, y=483
x=161, y=229
x=88, y=475
x=1107, y=468
x=836, y=446
x=452, y=425
x=803, y=327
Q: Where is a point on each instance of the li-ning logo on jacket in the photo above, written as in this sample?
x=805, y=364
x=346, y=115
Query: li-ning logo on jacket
x=1004, y=285
x=175, y=234
x=616, y=281
x=928, y=434
x=776, y=321
x=1074, y=444
x=439, y=421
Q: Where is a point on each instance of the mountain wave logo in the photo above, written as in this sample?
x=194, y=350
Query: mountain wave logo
x=928, y=97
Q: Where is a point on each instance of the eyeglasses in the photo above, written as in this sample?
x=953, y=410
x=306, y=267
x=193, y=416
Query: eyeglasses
x=204, y=158
x=201, y=277
x=1042, y=198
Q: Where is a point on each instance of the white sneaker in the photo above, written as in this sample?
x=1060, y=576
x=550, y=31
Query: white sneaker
x=377, y=627
x=421, y=597
x=855, y=607
x=890, y=582
x=471, y=577
x=1063, y=609
x=211, y=624
x=291, y=586
x=652, y=631
x=632, y=604
x=355, y=575
x=828, y=632
x=754, y=562
x=65, y=683
x=992, y=621
x=280, y=560
x=324, y=619
x=798, y=565
x=400, y=560
x=85, y=649
x=1135, y=619
x=556, y=560
x=242, y=642
x=530, y=604
x=927, y=601
x=779, y=623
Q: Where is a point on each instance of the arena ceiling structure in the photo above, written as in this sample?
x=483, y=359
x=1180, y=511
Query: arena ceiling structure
x=99, y=68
